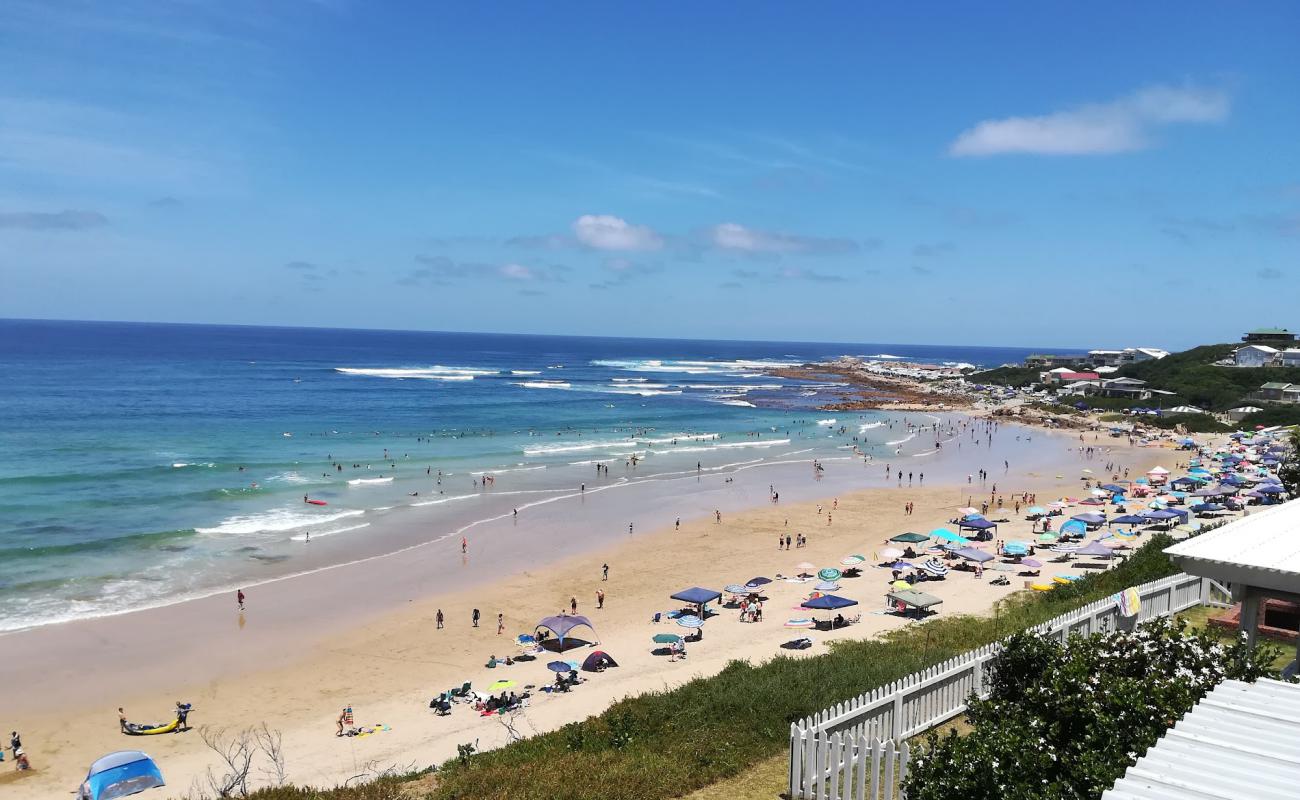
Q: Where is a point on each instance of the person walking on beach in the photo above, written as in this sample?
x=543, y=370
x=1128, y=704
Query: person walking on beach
x=239, y=598
x=476, y=618
x=604, y=572
x=439, y=619
x=501, y=623
x=573, y=605
x=464, y=545
x=121, y=719
x=678, y=525
x=600, y=599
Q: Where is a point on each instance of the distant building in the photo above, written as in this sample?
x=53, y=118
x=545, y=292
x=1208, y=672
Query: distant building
x=1289, y=357
x=1238, y=414
x=1125, y=387
x=1272, y=391
x=1129, y=355
x=1074, y=379
x=1042, y=361
x=1269, y=335
x=1254, y=355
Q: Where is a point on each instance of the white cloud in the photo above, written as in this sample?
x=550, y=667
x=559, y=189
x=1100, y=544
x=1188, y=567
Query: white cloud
x=1119, y=126
x=606, y=232
x=517, y=272
x=732, y=236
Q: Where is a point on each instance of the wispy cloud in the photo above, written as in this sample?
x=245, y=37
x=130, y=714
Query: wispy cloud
x=443, y=271
x=621, y=271
x=802, y=274
x=933, y=250
x=1269, y=274
x=1120, y=126
x=736, y=237
x=66, y=220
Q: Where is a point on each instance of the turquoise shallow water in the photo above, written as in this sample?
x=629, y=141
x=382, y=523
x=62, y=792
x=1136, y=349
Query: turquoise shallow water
x=143, y=461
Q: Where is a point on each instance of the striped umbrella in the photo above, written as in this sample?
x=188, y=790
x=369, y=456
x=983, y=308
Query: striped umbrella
x=799, y=622
x=735, y=588
x=829, y=574
x=934, y=567
x=827, y=586
x=851, y=561
x=690, y=621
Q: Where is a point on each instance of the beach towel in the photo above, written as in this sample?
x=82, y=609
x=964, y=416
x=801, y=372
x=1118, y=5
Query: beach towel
x=1129, y=602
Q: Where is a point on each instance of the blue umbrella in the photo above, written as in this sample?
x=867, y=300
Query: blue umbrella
x=829, y=602
x=562, y=666
x=690, y=621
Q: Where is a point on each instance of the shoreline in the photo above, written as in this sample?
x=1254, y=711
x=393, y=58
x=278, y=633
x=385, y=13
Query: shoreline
x=262, y=664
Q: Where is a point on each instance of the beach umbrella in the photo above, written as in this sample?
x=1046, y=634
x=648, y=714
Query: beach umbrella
x=827, y=586
x=829, y=574
x=935, y=567
x=945, y=535
x=891, y=554
x=1015, y=548
x=851, y=561
x=526, y=640
x=1113, y=488
x=658, y=638
x=799, y=622
x=735, y=588
x=901, y=565
x=690, y=621
x=1067, y=547
x=972, y=554
x=1095, y=549
x=909, y=538
x=564, y=666
x=829, y=602
x=1047, y=538
x=1031, y=563
x=1074, y=526
x=500, y=685
x=804, y=566
x=901, y=585
x=1036, y=510
x=761, y=581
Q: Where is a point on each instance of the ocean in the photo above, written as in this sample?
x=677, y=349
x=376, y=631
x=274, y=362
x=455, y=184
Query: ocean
x=145, y=463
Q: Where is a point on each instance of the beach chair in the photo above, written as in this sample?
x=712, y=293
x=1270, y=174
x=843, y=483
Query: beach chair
x=658, y=615
x=460, y=694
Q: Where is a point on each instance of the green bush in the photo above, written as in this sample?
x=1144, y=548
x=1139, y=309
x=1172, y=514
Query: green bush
x=1067, y=721
x=1192, y=376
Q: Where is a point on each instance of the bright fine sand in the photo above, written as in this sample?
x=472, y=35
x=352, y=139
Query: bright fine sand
x=309, y=645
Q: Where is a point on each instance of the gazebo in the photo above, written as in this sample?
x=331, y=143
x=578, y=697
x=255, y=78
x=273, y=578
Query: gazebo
x=983, y=526
x=1257, y=555
x=562, y=625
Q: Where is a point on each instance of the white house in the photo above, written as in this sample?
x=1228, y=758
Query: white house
x=1136, y=354
x=1254, y=355
x=1290, y=357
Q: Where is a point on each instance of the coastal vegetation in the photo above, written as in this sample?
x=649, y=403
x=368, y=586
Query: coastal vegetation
x=1066, y=721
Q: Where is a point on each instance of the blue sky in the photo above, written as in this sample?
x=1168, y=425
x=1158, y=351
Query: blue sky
x=1101, y=174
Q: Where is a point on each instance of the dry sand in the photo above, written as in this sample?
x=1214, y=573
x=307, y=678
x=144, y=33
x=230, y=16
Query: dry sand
x=282, y=664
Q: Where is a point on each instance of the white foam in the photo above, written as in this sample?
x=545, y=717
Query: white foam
x=827, y=422
x=442, y=500
x=280, y=519
x=888, y=356
x=741, y=403
x=509, y=469
x=686, y=367
x=909, y=438
x=525, y=372
x=545, y=384
x=866, y=426
x=434, y=373
x=302, y=537
x=731, y=445
x=368, y=481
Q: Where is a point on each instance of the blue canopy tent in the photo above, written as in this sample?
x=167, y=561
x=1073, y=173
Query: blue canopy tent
x=120, y=774
x=1074, y=526
x=1129, y=519
x=829, y=602
x=981, y=525
x=1269, y=488
x=1114, y=488
x=562, y=625
x=1094, y=549
x=697, y=596
x=946, y=535
x=1090, y=520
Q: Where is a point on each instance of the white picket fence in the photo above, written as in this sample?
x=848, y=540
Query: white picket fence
x=856, y=750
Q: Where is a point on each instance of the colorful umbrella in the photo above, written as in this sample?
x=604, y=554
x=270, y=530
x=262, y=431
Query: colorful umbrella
x=661, y=638
x=501, y=684
x=1031, y=563
x=690, y=621
x=891, y=554
x=851, y=561
x=901, y=585
x=829, y=574
x=562, y=666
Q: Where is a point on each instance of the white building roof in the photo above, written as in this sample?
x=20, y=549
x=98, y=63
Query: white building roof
x=1154, y=352
x=1261, y=549
x=1238, y=743
x=1263, y=348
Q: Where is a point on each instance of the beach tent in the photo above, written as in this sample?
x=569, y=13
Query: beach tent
x=971, y=554
x=597, y=661
x=909, y=538
x=1036, y=511
x=1270, y=488
x=562, y=625
x=979, y=524
x=120, y=774
x=1074, y=526
x=759, y=581
x=945, y=535
x=697, y=596
x=1015, y=548
x=1129, y=519
x=935, y=567
x=829, y=602
x=1094, y=549
x=910, y=598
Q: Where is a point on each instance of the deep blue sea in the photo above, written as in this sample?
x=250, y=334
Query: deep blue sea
x=142, y=462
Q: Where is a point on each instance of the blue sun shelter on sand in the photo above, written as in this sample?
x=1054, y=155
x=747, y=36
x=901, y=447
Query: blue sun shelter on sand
x=120, y=774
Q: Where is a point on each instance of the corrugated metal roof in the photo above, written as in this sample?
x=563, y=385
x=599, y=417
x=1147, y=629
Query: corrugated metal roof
x=1261, y=549
x=1238, y=743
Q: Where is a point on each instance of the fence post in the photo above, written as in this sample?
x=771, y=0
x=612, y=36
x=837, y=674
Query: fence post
x=898, y=716
x=796, y=759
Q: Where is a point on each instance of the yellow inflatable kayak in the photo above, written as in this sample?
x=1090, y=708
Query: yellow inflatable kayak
x=136, y=730
x=1042, y=587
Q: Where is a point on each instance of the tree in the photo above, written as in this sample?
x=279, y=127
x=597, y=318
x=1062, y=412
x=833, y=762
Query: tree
x=1289, y=471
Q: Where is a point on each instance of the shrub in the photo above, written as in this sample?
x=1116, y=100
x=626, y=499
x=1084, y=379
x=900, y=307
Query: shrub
x=1067, y=721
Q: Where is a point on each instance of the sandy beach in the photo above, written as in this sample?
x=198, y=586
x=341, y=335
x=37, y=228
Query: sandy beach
x=364, y=634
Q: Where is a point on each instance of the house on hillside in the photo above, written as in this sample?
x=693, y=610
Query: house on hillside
x=1268, y=335
x=1272, y=391
x=1105, y=358
x=1139, y=354
x=1289, y=357
x=1254, y=355
x=1047, y=361
x=1124, y=387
